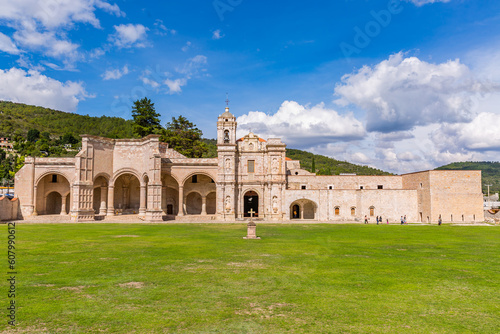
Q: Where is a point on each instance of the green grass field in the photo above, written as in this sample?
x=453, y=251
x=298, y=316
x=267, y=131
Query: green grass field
x=194, y=278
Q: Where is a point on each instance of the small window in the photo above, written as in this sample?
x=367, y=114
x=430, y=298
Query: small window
x=296, y=173
x=353, y=211
x=194, y=179
x=380, y=187
x=372, y=211
x=54, y=178
x=421, y=185
x=330, y=187
x=361, y=187
x=303, y=187
x=337, y=211
x=251, y=166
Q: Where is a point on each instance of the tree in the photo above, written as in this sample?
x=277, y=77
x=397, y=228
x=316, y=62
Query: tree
x=313, y=165
x=146, y=119
x=68, y=138
x=184, y=137
x=33, y=135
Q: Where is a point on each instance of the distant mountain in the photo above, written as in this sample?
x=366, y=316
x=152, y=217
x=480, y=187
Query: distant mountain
x=18, y=119
x=490, y=172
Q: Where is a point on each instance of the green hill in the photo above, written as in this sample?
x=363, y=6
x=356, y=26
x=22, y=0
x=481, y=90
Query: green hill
x=329, y=166
x=18, y=119
x=490, y=172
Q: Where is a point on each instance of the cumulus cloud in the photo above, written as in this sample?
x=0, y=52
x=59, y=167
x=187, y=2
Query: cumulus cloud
x=482, y=134
x=115, y=74
x=42, y=25
x=34, y=88
x=129, y=35
x=401, y=93
x=420, y=3
x=302, y=126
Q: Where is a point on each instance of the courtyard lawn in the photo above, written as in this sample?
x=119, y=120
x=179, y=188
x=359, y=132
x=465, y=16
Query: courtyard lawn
x=192, y=278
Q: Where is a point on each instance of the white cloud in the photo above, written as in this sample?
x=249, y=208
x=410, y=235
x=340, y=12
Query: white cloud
x=303, y=126
x=48, y=42
x=115, y=74
x=175, y=86
x=34, y=88
x=482, y=134
x=360, y=158
x=186, y=47
x=401, y=93
x=217, y=34
x=129, y=35
x=7, y=45
x=425, y=2
x=42, y=25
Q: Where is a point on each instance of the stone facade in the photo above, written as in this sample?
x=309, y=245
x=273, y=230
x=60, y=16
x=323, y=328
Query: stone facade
x=250, y=176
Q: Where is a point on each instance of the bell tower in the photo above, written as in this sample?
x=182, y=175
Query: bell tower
x=227, y=165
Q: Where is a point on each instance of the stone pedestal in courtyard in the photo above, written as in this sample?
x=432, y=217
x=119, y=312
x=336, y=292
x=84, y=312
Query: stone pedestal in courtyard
x=251, y=231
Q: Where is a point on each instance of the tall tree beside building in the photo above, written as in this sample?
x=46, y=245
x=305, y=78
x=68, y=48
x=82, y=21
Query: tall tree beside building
x=146, y=119
x=184, y=137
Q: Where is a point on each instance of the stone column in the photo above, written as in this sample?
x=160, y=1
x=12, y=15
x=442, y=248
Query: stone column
x=181, y=201
x=142, y=202
x=34, y=202
x=104, y=195
x=63, y=206
x=111, y=201
x=302, y=212
x=204, y=205
x=164, y=199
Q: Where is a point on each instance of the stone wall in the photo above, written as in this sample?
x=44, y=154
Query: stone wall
x=347, y=182
x=9, y=209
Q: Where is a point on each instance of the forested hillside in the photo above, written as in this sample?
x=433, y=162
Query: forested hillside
x=329, y=166
x=18, y=119
x=490, y=172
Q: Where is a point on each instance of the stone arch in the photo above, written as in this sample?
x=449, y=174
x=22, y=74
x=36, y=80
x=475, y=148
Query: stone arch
x=123, y=171
x=170, y=194
x=308, y=209
x=46, y=200
x=104, y=175
x=50, y=172
x=190, y=175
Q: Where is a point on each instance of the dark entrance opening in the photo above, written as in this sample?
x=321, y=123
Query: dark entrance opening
x=295, y=212
x=251, y=202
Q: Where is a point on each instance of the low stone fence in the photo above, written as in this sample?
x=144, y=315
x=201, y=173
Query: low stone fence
x=9, y=209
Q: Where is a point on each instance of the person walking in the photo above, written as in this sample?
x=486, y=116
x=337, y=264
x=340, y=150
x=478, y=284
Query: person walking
x=377, y=220
x=387, y=221
x=405, y=220
x=402, y=221
x=366, y=220
x=440, y=220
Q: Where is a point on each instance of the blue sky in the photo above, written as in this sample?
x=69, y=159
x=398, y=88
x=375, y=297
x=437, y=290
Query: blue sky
x=398, y=85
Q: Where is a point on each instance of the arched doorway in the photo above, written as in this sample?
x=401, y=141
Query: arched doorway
x=193, y=203
x=251, y=203
x=127, y=194
x=53, y=203
x=295, y=212
x=52, y=195
x=211, y=203
x=303, y=209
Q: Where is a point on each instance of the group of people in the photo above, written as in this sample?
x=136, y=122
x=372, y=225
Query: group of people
x=380, y=220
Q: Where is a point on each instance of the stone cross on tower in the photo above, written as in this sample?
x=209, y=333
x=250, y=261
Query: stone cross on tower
x=227, y=100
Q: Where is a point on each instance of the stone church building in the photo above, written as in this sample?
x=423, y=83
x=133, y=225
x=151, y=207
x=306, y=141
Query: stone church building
x=250, y=177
